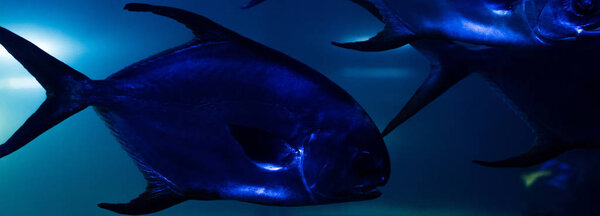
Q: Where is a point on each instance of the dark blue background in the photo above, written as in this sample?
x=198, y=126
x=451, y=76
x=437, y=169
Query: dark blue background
x=77, y=164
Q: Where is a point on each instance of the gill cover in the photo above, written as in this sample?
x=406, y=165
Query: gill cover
x=563, y=20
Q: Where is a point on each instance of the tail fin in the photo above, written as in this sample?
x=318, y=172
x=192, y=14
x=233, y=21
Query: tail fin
x=59, y=80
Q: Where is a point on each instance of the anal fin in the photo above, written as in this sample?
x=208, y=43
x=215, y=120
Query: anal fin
x=160, y=193
x=448, y=66
x=543, y=150
x=152, y=200
x=547, y=145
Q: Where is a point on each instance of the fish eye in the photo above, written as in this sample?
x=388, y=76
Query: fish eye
x=585, y=7
x=363, y=163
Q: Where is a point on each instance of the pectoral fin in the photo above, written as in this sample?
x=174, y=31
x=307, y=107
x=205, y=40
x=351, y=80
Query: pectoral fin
x=544, y=149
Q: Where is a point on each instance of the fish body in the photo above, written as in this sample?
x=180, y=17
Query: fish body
x=539, y=55
x=498, y=23
x=553, y=90
x=221, y=117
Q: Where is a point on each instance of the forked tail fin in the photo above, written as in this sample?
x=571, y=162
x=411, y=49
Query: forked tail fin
x=60, y=81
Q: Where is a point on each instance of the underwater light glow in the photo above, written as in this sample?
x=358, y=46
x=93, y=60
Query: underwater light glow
x=3, y=53
x=501, y=12
x=262, y=191
x=481, y=29
x=51, y=41
x=269, y=167
x=258, y=191
x=20, y=83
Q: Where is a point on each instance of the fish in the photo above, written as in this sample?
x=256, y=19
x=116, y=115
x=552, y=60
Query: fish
x=218, y=118
x=538, y=56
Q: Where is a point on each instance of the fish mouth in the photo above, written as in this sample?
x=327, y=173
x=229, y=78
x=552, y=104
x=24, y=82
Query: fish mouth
x=591, y=27
x=368, y=191
x=359, y=193
x=590, y=30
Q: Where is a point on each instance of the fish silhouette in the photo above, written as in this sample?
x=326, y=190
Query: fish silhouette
x=539, y=56
x=220, y=117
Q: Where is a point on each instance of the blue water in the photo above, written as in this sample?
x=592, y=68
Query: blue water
x=74, y=166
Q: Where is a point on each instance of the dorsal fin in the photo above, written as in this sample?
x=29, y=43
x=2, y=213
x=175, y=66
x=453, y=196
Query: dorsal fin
x=395, y=34
x=203, y=28
x=389, y=38
x=545, y=148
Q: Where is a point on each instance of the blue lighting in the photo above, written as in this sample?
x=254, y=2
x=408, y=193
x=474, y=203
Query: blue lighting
x=269, y=167
x=260, y=191
x=19, y=83
x=501, y=12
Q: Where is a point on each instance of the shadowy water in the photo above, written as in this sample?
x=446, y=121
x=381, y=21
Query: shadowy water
x=77, y=164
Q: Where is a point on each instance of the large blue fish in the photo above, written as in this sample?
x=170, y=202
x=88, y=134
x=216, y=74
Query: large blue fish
x=221, y=117
x=540, y=56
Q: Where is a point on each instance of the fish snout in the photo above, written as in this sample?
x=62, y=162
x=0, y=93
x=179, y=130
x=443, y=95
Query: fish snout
x=374, y=172
x=374, y=169
x=368, y=191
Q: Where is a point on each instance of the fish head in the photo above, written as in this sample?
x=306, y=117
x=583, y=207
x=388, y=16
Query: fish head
x=346, y=161
x=564, y=20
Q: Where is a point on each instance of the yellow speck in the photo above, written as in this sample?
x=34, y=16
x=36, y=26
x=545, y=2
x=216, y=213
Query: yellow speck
x=530, y=178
